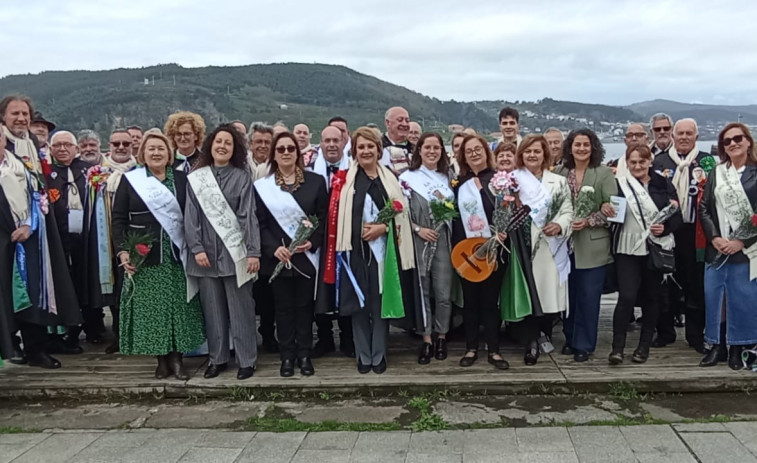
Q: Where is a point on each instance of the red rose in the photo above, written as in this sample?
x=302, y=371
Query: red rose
x=397, y=206
x=142, y=249
x=754, y=220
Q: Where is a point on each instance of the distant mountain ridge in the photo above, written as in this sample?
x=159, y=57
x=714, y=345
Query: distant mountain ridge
x=703, y=113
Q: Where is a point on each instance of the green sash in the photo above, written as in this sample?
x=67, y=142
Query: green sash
x=21, y=299
x=391, y=298
x=514, y=298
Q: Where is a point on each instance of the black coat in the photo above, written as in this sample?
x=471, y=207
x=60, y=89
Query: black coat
x=313, y=199
x=131, y=214
x=708, y=213
x=7, y=252
x=663, y=162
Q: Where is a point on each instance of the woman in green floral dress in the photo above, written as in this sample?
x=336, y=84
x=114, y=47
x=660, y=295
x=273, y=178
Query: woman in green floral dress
x=156, y=318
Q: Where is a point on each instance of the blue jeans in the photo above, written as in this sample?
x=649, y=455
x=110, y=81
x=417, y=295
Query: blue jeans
x=585, y=294
x=730, y=282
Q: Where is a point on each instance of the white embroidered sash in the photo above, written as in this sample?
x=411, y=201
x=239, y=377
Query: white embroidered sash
x=732, y=204
x=378, y=246
x=222, y=219
x=631, y=186
x=472, y=212
x=164, y=206
x=285, y=209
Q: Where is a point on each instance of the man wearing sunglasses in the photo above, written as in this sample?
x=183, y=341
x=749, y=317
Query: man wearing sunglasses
x=120, y=146
x=662, y=131
x=678, y=166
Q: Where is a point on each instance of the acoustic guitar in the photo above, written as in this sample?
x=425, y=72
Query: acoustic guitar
x=470, y=256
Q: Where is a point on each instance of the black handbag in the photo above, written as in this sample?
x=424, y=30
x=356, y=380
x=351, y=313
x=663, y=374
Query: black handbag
x=660, y=259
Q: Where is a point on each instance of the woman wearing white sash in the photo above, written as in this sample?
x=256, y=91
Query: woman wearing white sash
x=645, y=196
x=427, y=178
x=362, y=244
x=156, y=318
x=286, y=196
x=549, y=264
x=220, y=215
x=476, y=204
x=730, y=279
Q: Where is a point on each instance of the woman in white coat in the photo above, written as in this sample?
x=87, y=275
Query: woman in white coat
x=552, y=213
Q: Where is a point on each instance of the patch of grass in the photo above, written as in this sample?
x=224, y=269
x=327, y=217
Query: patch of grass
x=625, y=391
x=266, y=424
x=427, y=421
x=16, y=430
x=238, y=393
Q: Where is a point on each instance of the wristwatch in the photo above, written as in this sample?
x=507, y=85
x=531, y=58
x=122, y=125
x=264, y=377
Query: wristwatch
x=417, y=229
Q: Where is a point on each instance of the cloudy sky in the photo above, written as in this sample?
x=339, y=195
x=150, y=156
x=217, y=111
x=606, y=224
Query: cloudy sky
x=614, y=52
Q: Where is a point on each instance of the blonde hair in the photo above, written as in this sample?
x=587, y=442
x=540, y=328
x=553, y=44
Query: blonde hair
x=370, y=135
x=180, y=118
x=149, y=136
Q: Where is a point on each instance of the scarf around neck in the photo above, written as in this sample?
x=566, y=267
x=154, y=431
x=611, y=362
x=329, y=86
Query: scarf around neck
x=118, y=169
x=24, y=149
x=682, y=176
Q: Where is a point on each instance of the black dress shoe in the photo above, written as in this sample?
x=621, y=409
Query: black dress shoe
x=734, y=357
x=306, y=366
x=245, y=372
x=641, y=354
x=679, y=321
x=500, y=363
x=176, y=364
x=567, y=350
x=717, y=354
x=531, y=356
x=18, y=358
x=214, y=370
x=381, y=367
x=322, y=348
x=440, y=349
x=615, y=358
x=287, y=368
x=271, y=345
x=362, y=369
x=424, y=358
x=468, y=360
x=581, y=357
x=43, y=360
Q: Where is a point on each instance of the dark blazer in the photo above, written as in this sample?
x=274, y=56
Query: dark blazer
x=59, y=181
x=662, y=192
x=313, y=200
x=708, y=214
x=131, y=214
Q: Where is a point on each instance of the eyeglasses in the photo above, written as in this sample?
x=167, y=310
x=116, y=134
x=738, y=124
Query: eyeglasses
x=662, y=129
x=67, y=146
x=286, y=149
x=736, y=139
x=118, y=144
x=635, y=135
x=477, y=150
x=184, y=135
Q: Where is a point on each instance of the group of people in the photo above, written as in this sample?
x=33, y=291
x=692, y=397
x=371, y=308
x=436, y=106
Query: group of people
x=188, y=237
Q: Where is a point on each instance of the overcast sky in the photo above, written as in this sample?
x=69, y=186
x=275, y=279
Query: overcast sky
x=596, y=51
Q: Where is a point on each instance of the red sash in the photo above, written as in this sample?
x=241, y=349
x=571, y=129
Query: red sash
x=337, y=182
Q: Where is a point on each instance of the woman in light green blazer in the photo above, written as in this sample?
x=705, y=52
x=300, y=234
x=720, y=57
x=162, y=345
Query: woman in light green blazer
x=590, y=242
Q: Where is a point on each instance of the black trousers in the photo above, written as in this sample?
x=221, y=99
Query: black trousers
x=262, y=292
x=482, y=307
x=325, y=325
x=293, y=299
x=636, y=282
x=689, y=299
x=529, y=329
x=33, y=336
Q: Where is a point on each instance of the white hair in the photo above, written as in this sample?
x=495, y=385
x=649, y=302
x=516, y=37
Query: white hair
x=660, y=117
x=63, y=132
x=687, y=119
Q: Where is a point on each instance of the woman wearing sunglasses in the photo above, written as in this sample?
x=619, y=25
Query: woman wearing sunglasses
x=727, y=214
x=286, y=197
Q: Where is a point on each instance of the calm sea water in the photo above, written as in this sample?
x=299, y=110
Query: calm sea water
x=616, y=150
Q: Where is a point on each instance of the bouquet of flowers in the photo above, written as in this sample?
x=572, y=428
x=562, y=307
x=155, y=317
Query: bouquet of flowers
x=585, y=203
x=747, y=229
x=666, y=213
x=389, y=211
x=305, y=229
x=503, y=185
x=442, y=211
x=138, y=246
x=553, y=208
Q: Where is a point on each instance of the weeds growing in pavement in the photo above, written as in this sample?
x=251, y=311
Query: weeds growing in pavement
x=625, y=391
x=427, y=421
x=16, y=430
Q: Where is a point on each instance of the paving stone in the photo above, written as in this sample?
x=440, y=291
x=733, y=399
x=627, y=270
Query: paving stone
x=330, y=441
x=745, y=433
x=210, y=455
x=601, y=444
x=362, y=456
x=672, y=458
x=10, y=451
x=717, y=447
x=122, y=439
x=210, y=415
x=58, y=447
x=700, y=427
x=226, y=439
x=546, y=440
x=349, y=413
x=154, y=451
x=383, y=442
x=433, y=458
x=272, y=447
x=524, y=457
x=101, y=454
x=323, y=456
x=433, y=443
x=24, y=438
x=655, y=440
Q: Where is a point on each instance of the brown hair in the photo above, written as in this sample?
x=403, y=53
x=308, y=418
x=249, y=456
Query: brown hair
x=11, y=98
x=644, y=151
x=751, y=155
x=505, y=146
x=369, y=134
x=464, y=167
x=442, y=165
x=529, y=140
x=273, y=165
x=149, y=136
x=180, y=118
